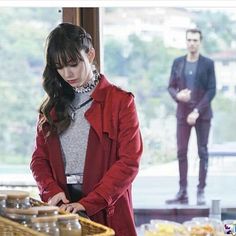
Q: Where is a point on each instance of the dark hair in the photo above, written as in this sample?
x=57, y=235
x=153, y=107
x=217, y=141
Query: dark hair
x=63, y=45
x=194, y=31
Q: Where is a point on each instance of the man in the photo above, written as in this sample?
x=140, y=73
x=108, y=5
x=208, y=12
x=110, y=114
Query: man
x=193, y=86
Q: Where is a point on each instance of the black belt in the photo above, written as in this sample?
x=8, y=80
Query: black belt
x=75, y=192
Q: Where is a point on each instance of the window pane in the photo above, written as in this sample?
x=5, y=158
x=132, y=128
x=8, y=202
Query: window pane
x=140, y=45
x=23, y=33
x=139, y=49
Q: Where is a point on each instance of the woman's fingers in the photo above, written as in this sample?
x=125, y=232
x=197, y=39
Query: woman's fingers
x=72, y=207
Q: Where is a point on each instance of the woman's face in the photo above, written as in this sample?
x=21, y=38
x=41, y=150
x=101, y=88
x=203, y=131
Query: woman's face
x=78, y=73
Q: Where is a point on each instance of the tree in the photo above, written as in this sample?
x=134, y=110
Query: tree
x=145, y=67
x=217, y=30
x=23, y=32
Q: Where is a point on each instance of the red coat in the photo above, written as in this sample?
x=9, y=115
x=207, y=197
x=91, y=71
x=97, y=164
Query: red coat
x=112, y=160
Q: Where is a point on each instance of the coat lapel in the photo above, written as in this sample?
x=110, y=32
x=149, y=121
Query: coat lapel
x=97, y=113
x=94, y=116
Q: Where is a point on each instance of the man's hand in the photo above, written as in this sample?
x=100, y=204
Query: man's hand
x=192, y=117
x=72, y=207
x=184, y=95
x=57, y=198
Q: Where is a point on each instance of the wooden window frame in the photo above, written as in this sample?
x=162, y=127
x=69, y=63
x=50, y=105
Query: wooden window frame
x=89, y=19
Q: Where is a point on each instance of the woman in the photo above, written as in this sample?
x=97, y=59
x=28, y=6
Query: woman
x=88, y=142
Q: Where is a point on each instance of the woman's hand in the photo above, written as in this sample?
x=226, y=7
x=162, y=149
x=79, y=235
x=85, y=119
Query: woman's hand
x=57, y=198
x=72, y=207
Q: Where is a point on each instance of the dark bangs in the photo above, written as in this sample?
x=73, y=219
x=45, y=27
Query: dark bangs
x=62, y=51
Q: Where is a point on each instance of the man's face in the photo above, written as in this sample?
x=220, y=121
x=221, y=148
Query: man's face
x=193, y=42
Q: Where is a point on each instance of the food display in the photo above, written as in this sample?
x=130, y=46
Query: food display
x=164, y=228
x=201, y=230
x=204, y=230
x=19, y=207
x=46, y=224
x=16, y=198
x=22, y=215
x=46, y=210
x=33, y=214
x=200, y=226
x=69, y=225
x=204, y=226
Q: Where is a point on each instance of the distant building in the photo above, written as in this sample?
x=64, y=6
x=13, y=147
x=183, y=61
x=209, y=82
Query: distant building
x=176, y=21
x=225, y=64
x=169, y=24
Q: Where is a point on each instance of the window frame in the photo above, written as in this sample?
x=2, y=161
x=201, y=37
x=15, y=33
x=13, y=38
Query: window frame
x=88, y=18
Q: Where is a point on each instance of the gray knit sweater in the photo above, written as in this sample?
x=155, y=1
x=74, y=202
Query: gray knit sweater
x=74, y=140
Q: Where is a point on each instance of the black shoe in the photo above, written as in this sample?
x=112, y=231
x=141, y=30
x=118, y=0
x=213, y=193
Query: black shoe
x=201, y=198
x=180, y=198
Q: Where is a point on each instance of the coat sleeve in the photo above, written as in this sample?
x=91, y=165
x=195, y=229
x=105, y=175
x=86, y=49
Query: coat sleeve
x=173, y=85
x=41, y=168
x=210, y=89
x=121, y=174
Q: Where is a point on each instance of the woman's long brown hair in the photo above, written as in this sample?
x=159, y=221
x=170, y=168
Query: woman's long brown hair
x=63, y=45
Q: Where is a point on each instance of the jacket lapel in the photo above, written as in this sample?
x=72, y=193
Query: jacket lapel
x=182, y=67
x=199, y=66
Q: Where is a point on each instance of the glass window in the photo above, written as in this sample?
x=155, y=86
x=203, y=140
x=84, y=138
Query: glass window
x=23, y=33
x=140, y=45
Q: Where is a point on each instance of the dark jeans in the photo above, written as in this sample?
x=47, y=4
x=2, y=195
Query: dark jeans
x=202, y=128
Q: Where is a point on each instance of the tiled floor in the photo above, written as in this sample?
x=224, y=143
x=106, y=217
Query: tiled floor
x=158, y=183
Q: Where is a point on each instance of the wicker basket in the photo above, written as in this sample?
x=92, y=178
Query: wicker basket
x=94, y=229
x=11, y=228
x=89, y=228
